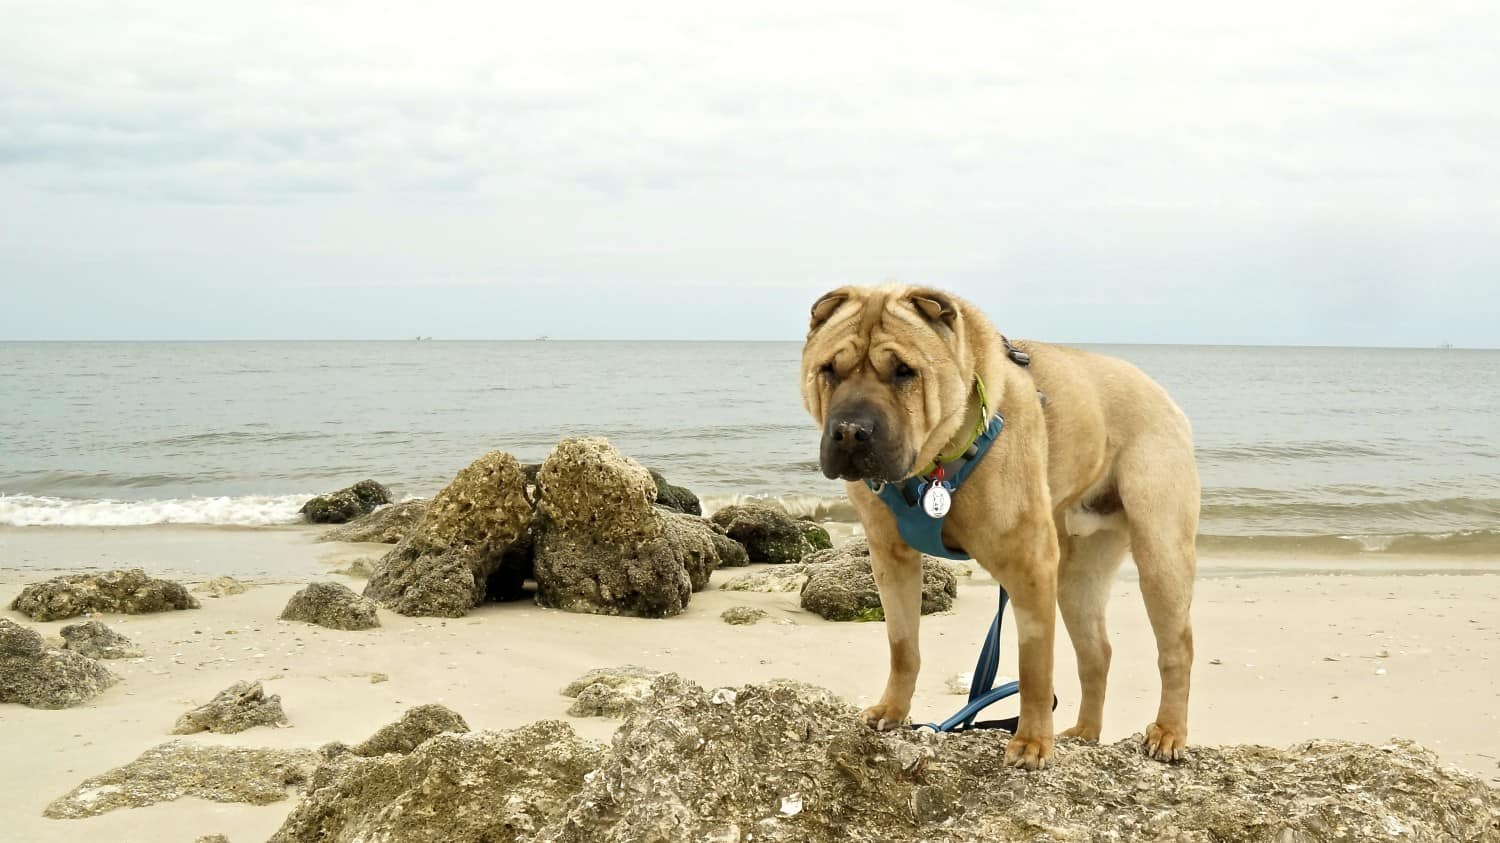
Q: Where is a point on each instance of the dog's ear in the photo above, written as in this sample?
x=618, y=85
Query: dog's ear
x=934, y=305
x=825, y=306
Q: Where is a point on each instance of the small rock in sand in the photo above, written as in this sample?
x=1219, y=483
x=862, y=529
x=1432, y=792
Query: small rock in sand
x=609, y=691
x=778, y=580
x=212, y=838
x=361, y=569
x=180, y=768
x=332, y=605
x=742, y=615
x=128, y=592
x=222, y=587
x=377, y=678
x=841, y=584
x=37, y=676
x=241, y=706
x=97, y=641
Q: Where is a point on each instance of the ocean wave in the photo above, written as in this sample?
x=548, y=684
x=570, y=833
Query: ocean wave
x=47, y=481
x=246, y=511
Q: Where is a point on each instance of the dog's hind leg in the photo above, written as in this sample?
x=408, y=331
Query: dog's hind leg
x=1087, y=570
x=1160, y=491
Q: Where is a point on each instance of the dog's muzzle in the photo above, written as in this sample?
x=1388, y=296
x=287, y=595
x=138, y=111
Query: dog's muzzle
x=856, y=446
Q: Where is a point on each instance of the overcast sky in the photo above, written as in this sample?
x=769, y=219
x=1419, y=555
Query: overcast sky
x=1289, y=171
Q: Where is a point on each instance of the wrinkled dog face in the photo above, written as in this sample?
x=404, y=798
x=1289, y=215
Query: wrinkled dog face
x=885, y=373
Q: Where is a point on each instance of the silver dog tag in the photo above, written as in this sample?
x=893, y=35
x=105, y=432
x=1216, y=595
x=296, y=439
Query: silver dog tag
x=937, y=500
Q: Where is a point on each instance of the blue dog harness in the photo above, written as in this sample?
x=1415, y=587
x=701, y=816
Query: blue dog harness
x=920, y=506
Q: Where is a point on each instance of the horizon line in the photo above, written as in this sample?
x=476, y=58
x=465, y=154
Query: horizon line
x=1413, y=347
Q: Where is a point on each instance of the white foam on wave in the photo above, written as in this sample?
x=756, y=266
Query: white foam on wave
x=246, y=511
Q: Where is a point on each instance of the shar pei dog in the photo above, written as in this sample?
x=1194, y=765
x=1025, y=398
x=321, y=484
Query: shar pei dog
x=1093, y=459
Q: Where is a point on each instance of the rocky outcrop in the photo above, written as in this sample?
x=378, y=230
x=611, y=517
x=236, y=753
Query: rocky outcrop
x=332, y=605
x=768, y=534
x=841, y=587
x=386, y=525
x=180, y=768
x=604, y=547
x=609, y=691
x=480, y=787
x=97, y=641
x=35, y=675
x=675, y=498
x=742, y=615
x=789, y=762
x=221, y=587
x=241, y=706
x=731, y=553
x=346, y=504
x=128, y=592
x=444, y=565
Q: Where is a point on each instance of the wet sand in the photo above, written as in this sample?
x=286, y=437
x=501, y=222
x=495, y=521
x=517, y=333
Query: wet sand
x=1287, y=649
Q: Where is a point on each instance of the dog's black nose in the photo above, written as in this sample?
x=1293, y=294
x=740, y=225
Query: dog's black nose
x=851, y=433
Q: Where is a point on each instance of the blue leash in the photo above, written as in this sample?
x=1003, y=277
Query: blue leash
x=982, y=693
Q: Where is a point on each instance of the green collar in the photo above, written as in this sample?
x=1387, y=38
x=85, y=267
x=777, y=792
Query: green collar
x=979, y=429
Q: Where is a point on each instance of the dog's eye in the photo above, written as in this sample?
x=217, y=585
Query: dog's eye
x=904, y=372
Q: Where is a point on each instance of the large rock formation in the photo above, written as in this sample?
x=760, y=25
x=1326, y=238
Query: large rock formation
x=609, y=691
x=346, y=504
x=332, y=605
x=386, y=525
x=785, y=762
x=444, y=565
x=481, y=787
x=604, y=547
x=97, y=641
x=179, y=768
x=769, y=534
x=35, y=675
x=841, y=586
x=128, y=592
x=241, y=706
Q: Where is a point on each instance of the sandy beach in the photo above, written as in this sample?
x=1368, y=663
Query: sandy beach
x=1287, y=649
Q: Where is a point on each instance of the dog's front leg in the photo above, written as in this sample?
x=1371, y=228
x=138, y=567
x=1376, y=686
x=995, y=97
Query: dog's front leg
x=898, y=576
x=1031, y=580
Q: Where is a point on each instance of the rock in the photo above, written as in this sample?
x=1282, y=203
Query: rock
x=480, y=787
x=385, y=525
x=128, y=592
x=443, y=566
x=778, y=580
x=241, y=706
x=768, y=534
x=180, y=768
x=817, y=537
x=212, y=838
x=589, y=488
x=332, y=605
x=742, y=615
x=675, y=498
x=377, y=678
x=97, y=641
x=790, y=762
x=222, y=587
x=841, y=587
x=731, y=553
x=346, y=504
x=361, y=569
x=609, y=691
x=604, y=547
x=415, y=726
x=37, y=676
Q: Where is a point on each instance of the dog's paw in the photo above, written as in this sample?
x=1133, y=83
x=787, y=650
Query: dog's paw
x=1088, y=733
x=1165, y=743
x=1029, y=753
x=884, y=717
